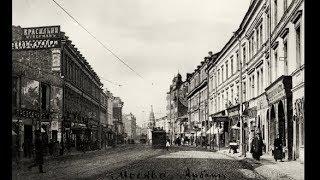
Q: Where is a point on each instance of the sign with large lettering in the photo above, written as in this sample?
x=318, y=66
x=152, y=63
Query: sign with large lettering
x=35, y=44
x=279, y=89
x=46, y=32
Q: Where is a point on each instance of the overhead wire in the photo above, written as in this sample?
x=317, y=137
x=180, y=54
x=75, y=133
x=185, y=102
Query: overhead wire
x=104, y=46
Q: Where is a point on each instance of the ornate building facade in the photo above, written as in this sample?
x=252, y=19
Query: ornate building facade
x=268, y=48
x=177, y=108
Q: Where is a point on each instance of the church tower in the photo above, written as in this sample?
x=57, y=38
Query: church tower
x=151, y=125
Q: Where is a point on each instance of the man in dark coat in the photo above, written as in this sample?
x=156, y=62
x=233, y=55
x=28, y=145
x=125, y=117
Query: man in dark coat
x=278, y=149
x=256, y=147
x=39, y=152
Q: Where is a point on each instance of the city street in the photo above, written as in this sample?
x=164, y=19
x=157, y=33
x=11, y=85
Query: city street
x=143, y=162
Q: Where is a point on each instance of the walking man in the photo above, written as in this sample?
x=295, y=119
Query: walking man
x=256, y=146
x=39, y=152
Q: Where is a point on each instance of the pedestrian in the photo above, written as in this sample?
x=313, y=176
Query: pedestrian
x=56, y=148
x=83, y=146
x=256, y=146
x=61, y=147
x=38, y=152
x=168, y=144
x=278, y=149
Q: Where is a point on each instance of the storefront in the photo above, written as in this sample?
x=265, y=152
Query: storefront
x=280, y=121
x=250, y=116
x=77, y=134
x=221, y=129
x=262, y=110
x=234, y=128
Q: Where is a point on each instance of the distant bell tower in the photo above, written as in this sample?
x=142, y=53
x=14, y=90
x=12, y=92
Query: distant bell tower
x=151, y=125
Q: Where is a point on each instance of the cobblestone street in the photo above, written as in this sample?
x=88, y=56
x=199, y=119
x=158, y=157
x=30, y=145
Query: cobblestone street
x=143, y=162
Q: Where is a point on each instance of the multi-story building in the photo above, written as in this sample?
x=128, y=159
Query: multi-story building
x=103, y=118
x=117, y=120
x=268, y=49
x=177, y=108
x=60, y=81
x=37, y=85
x=130, y=124
x=111, y=131
x=197, y=102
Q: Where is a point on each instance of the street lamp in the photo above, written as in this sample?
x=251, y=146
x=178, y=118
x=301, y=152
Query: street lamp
x=242, y=145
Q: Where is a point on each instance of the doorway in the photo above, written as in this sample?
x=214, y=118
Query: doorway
x=28, y=138
x=272, y=122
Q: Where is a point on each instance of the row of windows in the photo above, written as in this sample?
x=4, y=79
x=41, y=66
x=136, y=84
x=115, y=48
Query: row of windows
x=197, y=79
x=255, y=41
x=78, y=78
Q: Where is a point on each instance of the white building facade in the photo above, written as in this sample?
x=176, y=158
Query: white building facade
x=271, y=52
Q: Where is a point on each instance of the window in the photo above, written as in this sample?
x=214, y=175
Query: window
x=237, y=91
x=244, y=54
x=275, y=64
x=258, y=40
x=258, y=83
x=231, y=64
x=218, y=76
x=285, y=5
x=250, y=49
x=249, y=89
x=218, y=102
x=253, y=44
x=227, y=75
x=238, y=60
x=222, y=78
x=222, y=102
x=232, y=99
x=215, y=105
x=285, y=54
x=261, y=37
x=227, y=98
x=244, y=91
x=275, y=12
x=269, y=22
x=298, y=46
x=45, y=97
x=269, y=71
x=252, y=86
x=261, y=74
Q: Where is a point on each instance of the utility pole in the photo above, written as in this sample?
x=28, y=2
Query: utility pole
x=208, y=96
x=242, y=139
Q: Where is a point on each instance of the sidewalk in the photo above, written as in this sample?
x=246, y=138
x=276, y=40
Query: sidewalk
x=67, y=155
x=269, y=168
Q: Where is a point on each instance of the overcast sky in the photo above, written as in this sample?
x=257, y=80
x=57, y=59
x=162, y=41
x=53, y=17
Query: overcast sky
x=157, y=38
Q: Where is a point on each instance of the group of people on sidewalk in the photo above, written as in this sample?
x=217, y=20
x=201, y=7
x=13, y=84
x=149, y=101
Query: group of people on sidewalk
x=257, y=147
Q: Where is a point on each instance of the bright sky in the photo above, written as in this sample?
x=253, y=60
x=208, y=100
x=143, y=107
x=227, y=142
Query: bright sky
x=157, y=38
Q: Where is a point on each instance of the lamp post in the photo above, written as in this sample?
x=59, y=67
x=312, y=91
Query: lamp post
x=242, y=144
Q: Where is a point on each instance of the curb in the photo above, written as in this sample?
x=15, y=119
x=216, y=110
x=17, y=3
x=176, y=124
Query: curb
x=70, y=156
x=250, y=163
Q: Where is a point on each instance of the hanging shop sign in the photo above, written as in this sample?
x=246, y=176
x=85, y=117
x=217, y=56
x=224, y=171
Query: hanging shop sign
x=41, y=32
x=279, y=89
x=35, y=44
x=221, y=119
